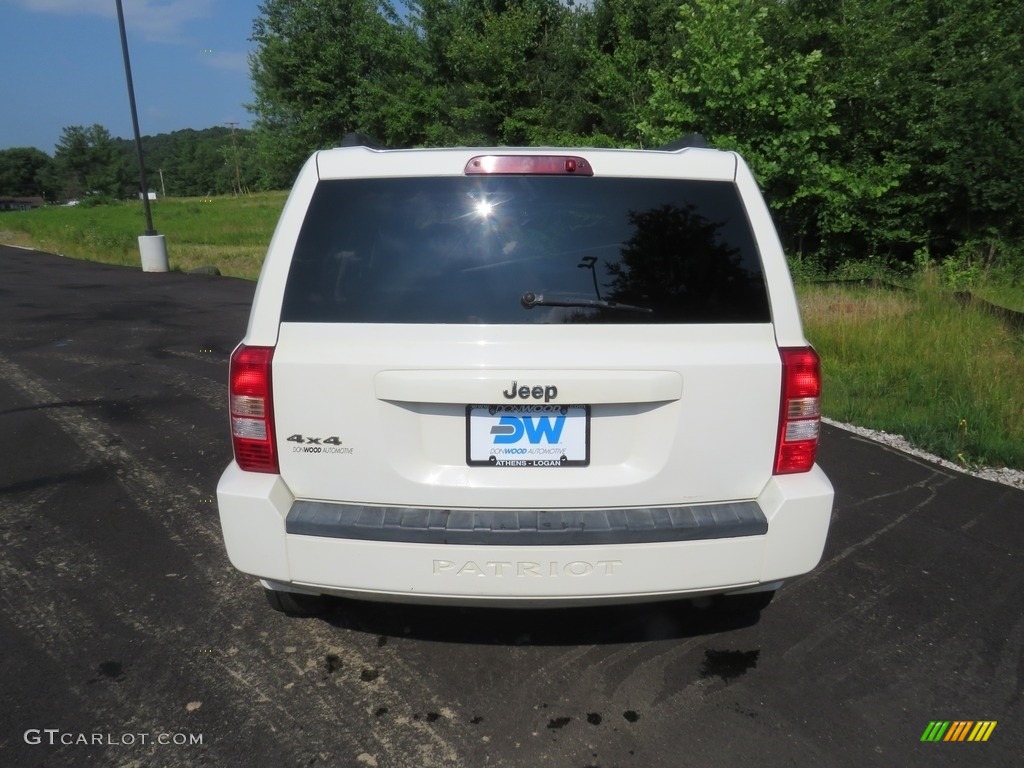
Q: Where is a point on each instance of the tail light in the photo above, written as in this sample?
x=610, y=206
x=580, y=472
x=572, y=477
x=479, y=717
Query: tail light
x=252, y=410
x=800, y=413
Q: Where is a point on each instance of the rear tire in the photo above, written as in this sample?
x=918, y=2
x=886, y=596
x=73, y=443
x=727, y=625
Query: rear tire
x=295, y=604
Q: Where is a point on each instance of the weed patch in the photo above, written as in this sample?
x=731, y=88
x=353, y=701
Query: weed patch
x=230, y=233
x=947, y=377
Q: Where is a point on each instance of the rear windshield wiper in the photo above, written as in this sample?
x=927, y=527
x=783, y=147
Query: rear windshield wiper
x=529, y=300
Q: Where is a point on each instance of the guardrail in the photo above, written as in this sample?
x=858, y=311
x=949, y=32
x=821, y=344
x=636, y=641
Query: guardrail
x=1009, y=316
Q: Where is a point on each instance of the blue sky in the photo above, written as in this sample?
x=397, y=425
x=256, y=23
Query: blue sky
x=63, y=66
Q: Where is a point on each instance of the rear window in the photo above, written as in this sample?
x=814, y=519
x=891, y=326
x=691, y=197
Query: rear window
x=525, y=249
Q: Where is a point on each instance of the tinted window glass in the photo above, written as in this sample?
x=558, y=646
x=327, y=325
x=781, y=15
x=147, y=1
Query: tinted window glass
x=525, y=249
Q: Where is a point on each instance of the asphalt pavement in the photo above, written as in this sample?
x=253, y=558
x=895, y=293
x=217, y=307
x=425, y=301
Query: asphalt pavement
x=127, y=639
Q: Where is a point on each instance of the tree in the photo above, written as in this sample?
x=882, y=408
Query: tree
x=975, y=130
x=505, y=72
x=88, y=162
x=452, y=72
x=877, y=128
x=929, y=97
x=316, y=63
x=26, y=172
x=727, y=83
x=631, y=39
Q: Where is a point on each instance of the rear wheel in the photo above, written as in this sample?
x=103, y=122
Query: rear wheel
x=295, y=604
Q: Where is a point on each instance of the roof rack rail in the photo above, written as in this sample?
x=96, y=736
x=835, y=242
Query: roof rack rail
x=354, y=139
x=695, y=140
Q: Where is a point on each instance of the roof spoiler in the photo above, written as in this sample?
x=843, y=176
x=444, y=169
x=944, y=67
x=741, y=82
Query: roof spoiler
x=694, y=140
x=359, y=140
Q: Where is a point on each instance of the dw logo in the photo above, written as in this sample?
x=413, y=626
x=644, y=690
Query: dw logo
x=512, y=429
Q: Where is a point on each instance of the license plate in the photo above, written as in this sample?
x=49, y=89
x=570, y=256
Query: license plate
x=528, y=435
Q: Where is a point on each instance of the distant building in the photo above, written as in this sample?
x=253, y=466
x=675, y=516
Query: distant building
x=20, y=203
x=151, y=195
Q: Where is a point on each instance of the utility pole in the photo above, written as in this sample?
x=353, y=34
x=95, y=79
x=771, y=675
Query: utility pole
x=163, y=189
x=234, y=146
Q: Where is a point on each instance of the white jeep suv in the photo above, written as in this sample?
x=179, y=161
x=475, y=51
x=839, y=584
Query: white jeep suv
x=524, y=376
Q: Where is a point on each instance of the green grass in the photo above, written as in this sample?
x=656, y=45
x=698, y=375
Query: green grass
x=948, y=378
x=231, y=233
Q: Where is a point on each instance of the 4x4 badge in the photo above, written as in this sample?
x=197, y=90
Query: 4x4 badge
x=547, y=392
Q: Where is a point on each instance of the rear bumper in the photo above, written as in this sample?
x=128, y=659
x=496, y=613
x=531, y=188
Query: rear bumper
x=254, y=512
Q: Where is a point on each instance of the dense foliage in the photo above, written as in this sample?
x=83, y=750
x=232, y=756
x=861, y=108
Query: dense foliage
x=192, y=163
x=889, y=131
x=91, y=164
x=26, y=172
x=882, y=129
x=88, y=162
